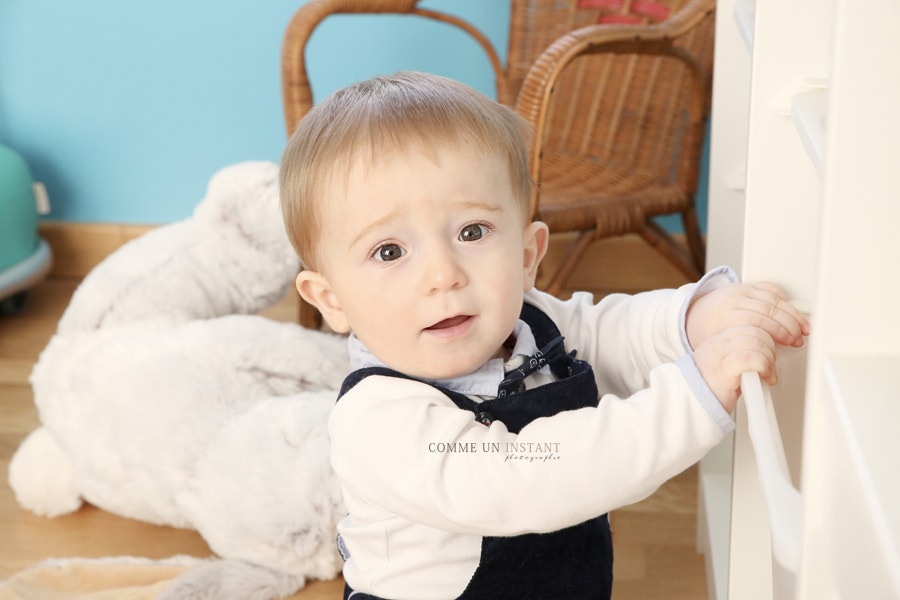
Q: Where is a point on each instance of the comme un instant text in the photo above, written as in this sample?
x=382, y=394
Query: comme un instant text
x=507, y=447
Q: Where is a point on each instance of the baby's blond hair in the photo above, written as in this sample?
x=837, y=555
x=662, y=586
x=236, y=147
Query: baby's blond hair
x=385, y=114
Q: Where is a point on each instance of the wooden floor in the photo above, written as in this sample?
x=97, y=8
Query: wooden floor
x=654, y=540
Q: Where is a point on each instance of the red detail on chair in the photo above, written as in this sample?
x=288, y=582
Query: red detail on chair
x=648, y=8
x=620, y=20
x=604, y=4
x=637, y=10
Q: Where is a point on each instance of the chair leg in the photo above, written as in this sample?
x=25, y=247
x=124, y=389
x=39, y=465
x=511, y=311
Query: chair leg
x=308, y=315
x=657, y=237
x=694, y=238
x=565, y=270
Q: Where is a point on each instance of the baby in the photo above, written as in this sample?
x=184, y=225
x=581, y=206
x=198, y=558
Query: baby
x=488, y=427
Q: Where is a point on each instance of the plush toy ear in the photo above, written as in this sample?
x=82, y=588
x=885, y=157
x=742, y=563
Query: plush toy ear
x=537, y=239
x=315, y=289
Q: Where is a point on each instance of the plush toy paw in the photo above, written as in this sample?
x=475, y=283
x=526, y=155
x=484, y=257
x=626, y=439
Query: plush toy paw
x=264, y=490
x=43, y=477
x=231, y=579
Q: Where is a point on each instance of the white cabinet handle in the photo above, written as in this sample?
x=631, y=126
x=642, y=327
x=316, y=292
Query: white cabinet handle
x=783, y=501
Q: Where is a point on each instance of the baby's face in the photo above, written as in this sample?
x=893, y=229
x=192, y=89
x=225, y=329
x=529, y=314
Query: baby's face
x=426, y=257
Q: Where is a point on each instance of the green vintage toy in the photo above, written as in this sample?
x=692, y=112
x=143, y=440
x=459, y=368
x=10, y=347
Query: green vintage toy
x=24, y=257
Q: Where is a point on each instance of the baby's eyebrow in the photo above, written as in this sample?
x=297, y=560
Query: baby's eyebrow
x=483, y=205
x=381, y=221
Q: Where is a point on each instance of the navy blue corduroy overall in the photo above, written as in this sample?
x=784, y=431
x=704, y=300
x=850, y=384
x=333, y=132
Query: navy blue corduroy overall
x=570, y=564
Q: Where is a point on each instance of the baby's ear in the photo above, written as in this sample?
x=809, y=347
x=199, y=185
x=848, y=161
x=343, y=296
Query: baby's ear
x=315, y=289
x=536, y=240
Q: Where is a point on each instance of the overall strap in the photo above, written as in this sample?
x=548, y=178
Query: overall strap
x=356, y=376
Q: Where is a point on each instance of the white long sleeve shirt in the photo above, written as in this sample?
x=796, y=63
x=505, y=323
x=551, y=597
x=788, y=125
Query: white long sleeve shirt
x=424, y=483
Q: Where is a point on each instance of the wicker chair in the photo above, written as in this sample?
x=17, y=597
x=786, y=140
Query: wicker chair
x=618, y=92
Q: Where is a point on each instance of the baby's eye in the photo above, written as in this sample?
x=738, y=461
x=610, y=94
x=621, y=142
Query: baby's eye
x=473, y=232
x=388, y=252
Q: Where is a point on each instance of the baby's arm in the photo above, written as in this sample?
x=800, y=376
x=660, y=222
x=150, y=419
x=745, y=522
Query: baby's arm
x=402, y=448
x=623, y=336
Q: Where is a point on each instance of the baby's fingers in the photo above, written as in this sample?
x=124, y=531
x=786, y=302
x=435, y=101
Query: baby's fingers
x=750, y=349
x=767, y=308
x=723, y=358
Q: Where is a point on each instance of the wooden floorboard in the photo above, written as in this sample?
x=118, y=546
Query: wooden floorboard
x=654, y=540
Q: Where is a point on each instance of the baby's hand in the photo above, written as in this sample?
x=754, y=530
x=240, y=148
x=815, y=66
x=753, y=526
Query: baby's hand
x=761, y=305
x=724, y=357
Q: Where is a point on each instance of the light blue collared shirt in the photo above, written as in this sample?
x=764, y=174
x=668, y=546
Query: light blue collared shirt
x=483, y=381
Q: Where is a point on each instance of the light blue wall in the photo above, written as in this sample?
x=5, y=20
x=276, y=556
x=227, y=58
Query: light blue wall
x=124, y=109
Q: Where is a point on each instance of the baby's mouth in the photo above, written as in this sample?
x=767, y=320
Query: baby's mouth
x=448, y=323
